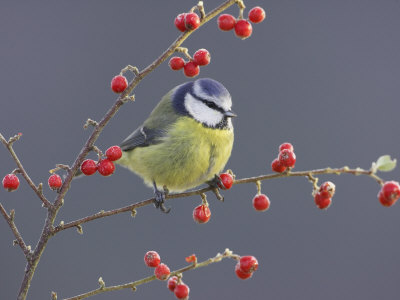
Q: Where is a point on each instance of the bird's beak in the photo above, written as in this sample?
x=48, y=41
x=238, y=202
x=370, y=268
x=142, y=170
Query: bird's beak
x=230, y=114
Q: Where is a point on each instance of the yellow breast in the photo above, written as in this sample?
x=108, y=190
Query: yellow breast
x=188, y=156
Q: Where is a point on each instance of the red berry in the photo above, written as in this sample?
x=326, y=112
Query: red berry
x=54, y=182
x=89, y=167
x=242, y=275
x=226, y=22
x=180, y=22
x=181, y=291
x=201, y=214
x=119, y=84
x=248, y=264
x=243, y=29
x=284, y=146
x=10, y=182
x=327, y=189
x=287, y=158
x=261, y=202
x=389, y=193
x=172, y=283
x=391, y=189
x=385, y=201
x=162, y=272
x=277, y=166
x=114, y=153
x=192, y=21
x=176, y=63
x=201, y=57
x=227, y=181
x=152, y=259
x=191, y=69
x=106, y=167
x=256, y=14
x=322, y=201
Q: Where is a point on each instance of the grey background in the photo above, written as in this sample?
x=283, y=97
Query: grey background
x=323, y=75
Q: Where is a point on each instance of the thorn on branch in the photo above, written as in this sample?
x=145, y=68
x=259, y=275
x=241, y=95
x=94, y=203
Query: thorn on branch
x=133, y=213
x=13, y=139
x=128, y=98
x=79, y=229
x=90, y=122
x=102, y=283
x=40, y=188
x=133, y=288
x=53, y=296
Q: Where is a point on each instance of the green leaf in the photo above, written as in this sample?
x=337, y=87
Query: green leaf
x=384, y=164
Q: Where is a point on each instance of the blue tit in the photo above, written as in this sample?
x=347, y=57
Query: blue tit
x=186, y=140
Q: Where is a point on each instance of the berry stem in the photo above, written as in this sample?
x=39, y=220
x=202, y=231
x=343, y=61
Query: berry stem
x=133, y=69
x=185, y=51
x=132, y=285
x=337, y=171
x=8, y=145
x=18, y=237
x=241, y=6
x=258, y=184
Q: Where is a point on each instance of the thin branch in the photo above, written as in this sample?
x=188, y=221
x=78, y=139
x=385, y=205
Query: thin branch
x=38, y=192
x=18, y=237
x=132, y=285
x=129, y=208
x=48, y=229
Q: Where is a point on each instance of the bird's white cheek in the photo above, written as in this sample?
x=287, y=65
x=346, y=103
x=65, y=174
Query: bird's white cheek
x=201, y=112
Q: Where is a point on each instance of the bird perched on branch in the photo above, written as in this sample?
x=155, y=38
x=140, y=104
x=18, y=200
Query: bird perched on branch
x=186, y=140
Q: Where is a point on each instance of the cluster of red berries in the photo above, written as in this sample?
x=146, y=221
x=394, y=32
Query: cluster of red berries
x=105, y=166
x=246, y=266
x=389, y=193
x=187, y=21
x=243, y=28
x=180, y=289
x=152, y=259
x=119, y=83
x=323, y=198
x=286, y=158
x=191, y=68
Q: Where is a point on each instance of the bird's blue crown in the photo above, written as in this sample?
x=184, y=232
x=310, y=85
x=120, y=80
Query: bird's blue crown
x=205, y=89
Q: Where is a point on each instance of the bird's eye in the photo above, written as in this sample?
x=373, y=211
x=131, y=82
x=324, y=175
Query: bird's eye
x=212, y=105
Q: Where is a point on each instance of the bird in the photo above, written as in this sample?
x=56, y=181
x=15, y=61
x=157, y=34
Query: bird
x=186, y=140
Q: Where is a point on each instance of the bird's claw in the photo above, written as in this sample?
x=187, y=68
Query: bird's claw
x=160, y=199
x=216, y=184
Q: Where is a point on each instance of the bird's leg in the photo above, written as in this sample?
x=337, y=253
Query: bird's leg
x=160, y=198
x=216, y=184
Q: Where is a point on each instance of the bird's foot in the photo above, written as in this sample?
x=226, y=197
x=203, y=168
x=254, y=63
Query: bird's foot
x=216, y=184
x=160, y=199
